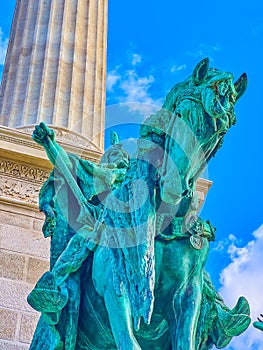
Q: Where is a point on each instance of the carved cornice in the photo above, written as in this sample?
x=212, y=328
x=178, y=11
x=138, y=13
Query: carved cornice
x=17, y=138
x=23, y=171
x=66, y=137
x=20, y=141
x=203, y=185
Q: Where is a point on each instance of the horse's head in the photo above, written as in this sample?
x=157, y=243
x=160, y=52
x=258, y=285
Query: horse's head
x=213, y=90
x=195, y=116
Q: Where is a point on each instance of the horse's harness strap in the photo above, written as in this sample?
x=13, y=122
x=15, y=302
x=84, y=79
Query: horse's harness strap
x=186, y=227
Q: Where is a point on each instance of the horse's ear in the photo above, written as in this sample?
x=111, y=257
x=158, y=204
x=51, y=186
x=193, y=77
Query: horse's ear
x=200, y=71
x=241, y=85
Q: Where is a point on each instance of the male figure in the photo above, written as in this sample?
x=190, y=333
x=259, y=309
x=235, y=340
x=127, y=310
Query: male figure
x=50, y=293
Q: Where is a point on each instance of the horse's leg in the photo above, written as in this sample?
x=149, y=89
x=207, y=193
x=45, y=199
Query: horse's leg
x=187, y=301
x=119, y=312
x=118, y=307
x=187, y=308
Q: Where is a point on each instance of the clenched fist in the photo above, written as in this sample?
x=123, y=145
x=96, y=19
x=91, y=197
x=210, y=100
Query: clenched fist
x=41, y=133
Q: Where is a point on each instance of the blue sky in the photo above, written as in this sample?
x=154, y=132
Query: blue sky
x=151, y=46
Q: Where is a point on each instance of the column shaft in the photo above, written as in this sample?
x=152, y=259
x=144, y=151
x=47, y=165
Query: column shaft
x=55, y=67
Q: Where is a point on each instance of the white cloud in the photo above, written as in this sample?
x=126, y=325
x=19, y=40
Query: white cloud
x=112, y=79
x=136, y=58
x=127, y=86
x=136, y=88
x=130, y=86
x=244, y=276
x=224, y=244
x=136, y=92
x=3, y=47
x=176, y=68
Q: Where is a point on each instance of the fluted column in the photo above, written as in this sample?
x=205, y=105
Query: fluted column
x=56, y=66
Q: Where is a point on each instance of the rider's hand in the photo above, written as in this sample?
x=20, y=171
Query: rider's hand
x=41, y=133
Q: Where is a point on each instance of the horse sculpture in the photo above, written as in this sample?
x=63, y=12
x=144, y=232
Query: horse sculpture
x=127, y=247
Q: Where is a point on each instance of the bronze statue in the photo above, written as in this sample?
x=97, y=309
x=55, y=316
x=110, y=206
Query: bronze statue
x=128, y=249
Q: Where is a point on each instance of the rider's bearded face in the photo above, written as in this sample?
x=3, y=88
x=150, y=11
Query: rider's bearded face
x=119, y=158
x=219, y=99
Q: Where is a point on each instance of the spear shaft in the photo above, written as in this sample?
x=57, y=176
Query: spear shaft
x=60, y=164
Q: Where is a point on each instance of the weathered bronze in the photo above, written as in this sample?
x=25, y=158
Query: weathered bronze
x=127, y=246
x=259, y=323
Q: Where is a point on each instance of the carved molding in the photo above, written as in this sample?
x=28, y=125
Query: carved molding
x=23, y=171
x=67, y=137
x=12, y=189
x=20, y=141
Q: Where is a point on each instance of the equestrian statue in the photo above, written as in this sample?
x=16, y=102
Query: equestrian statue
x=128, y=248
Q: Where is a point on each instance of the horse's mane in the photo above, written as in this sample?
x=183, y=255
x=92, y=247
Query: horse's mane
x=156, y=125
x=134, y=265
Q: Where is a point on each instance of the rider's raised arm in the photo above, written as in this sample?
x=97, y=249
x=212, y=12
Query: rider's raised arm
x=46, y=138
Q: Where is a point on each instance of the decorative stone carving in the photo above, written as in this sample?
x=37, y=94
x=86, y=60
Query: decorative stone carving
x=19, y=190
x=17, y=141
x=24, y=171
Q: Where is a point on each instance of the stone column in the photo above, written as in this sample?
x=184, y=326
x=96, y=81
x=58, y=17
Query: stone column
x=55, y=67
x=54, y=72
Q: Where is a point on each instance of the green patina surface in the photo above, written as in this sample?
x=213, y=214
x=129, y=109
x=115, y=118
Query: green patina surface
x=128, y=249
x=258, y=325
